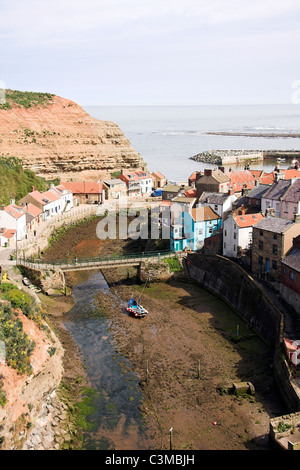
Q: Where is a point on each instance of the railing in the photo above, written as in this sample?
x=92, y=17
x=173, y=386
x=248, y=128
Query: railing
x=77, y=263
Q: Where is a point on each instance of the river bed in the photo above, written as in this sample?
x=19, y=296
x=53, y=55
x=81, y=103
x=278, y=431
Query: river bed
x=116, y=421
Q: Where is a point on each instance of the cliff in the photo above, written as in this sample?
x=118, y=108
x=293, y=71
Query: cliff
x=55, y=137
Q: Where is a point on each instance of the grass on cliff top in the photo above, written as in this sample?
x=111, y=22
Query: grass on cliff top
x=26, y=99
x=17, y=182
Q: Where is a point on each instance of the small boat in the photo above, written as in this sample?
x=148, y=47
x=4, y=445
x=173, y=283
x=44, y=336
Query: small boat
x=135, y=309
x=26, y=281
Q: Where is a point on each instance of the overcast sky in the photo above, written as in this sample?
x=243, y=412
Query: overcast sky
x=152, y=52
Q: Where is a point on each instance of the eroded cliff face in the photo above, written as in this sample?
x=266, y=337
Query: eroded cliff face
x=61, y=139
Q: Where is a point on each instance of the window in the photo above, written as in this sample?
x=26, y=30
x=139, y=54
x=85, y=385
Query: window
x=234, y=248
x=260, y=260
x=225, y=233
x=224, y=244
x=261, y=233
x=292, y=276
x=234, y=226
x=274, y=264
x=234, y=235
x=274, y=249
x=274, y=236
x=216, y=207
x=261, y=245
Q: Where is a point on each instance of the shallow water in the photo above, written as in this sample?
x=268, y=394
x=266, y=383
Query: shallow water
x=116, y=420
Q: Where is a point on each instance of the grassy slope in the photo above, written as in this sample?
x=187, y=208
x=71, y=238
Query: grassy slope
x=17, y=182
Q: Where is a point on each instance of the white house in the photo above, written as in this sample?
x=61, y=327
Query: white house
x=138, y=182
x=220, y=203
x=65, y=196
x=237, y=232
x=13, y=217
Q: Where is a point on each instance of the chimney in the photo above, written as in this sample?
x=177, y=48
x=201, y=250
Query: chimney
x=198, y=175
x=241, y=210
x=12, y=200
x=222, y=168
x=32, y=189
x=2, y=207
x=207, y=172
x=51, y=186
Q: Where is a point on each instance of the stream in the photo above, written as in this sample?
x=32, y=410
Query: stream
x=116, y=422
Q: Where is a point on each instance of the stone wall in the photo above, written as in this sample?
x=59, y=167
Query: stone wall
x=229, y=281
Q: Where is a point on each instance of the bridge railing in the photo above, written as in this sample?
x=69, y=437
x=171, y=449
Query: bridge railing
x=95, y=261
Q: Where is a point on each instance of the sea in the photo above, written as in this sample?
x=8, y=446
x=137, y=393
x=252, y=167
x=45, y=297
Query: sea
x=167, y=136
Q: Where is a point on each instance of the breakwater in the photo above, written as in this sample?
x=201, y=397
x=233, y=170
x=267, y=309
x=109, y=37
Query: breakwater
x=229, y=157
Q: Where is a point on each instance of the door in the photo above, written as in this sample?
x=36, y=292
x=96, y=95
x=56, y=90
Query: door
x=267, y=265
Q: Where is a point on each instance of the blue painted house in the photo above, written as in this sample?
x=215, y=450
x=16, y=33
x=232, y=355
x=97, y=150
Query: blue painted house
x=193, y=227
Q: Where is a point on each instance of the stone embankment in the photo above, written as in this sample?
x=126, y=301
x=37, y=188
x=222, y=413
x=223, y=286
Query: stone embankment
x=227, y=157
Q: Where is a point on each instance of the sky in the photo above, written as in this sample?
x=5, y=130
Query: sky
x=152, y=52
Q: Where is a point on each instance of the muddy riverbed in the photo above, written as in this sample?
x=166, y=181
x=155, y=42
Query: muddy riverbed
x=145, y=371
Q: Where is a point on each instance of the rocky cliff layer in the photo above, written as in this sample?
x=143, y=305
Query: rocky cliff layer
x=58, y=138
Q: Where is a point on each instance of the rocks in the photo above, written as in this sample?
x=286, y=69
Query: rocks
x=219, y=157
x=52, y=429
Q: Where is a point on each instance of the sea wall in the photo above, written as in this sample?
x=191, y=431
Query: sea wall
x=234, y=285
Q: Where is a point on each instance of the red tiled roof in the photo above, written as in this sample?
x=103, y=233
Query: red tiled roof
x=7, y=232
x=158, y=174
x=50, y=195
x=83, y=187
x=165, y=203
x=190, y=192
x=38, y=197
x=134, y=176
x=247, y=220
x=240, y=179
x=204, y=213
x=14, y=210
x=32, y=210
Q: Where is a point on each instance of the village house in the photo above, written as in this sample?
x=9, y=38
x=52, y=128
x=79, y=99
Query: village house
x=271, y=199
x=158, y=180
x=47, y=202
x=114, y=189
x=221, y=203
x=85, y=192
x=65, y=196
x=240, y=181
x=237, y=233
x=7, y=237
x=290, y=276
x=190, y=226
x=290, y=201
x=213, y=181
x=34, y=215
x=138, y=182
x=170, y=191
x=253, y=198
x=13, y=217
x=272, y=239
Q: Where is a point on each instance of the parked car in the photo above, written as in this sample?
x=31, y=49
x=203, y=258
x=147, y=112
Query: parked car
x=156, y=192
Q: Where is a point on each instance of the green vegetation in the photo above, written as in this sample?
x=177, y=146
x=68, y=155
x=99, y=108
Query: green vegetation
x=17, y=182
x=282, y=426
x=115, y=174
x=3, y=399
x=26, y=99
x=18, y=346
x=174, y=264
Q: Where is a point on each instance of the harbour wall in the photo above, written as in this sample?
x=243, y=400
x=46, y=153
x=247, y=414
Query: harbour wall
x=236, y=287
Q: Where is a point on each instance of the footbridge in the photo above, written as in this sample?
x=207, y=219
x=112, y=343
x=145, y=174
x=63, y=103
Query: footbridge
x=84, y=264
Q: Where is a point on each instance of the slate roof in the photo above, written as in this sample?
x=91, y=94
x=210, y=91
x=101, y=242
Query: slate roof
x=293, y=193
x=274, y=224
x=213, y=198
x=258, y=191
x=277, y=190
x=292, y=259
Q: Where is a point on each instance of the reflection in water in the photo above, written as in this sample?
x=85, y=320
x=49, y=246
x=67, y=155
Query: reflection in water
x=116, y=420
